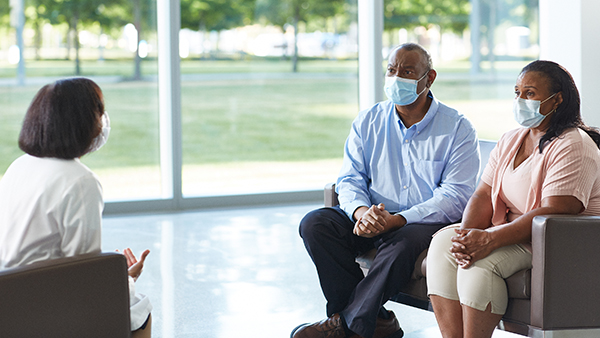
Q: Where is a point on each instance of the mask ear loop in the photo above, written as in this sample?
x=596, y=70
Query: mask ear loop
x=426, y=85
x=551, y=96
x=422, y=91
x=553, y=110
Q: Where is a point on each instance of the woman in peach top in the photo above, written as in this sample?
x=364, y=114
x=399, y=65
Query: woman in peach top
x=550, y=166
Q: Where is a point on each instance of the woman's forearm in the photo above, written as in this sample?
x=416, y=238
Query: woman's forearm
x=479, y=210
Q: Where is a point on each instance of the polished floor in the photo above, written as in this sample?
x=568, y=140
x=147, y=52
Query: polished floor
x=240, y=273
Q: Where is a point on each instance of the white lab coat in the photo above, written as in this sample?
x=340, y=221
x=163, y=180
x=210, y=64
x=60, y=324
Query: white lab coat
x=52, y=208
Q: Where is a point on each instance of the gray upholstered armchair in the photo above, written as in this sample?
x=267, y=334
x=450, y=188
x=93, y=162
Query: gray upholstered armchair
x=559, y=297
x=82, y=296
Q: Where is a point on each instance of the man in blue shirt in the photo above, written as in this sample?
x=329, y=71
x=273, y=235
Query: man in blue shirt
x=410, y=165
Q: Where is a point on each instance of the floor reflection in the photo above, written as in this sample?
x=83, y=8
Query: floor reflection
x=232, y=273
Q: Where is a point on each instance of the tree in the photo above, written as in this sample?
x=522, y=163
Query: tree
x=284, y=12
x=493, y=13
x=450, y=15
x=143, y=15
x=114, y=14
x=216, y=15
x=109, y=14
x=112, y=19
x=4, y=12
x=75, y=13
x=34, y=12
x=340, y=13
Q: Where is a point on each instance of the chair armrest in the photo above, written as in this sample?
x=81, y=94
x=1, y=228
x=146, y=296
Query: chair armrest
x=331, y=197
x=566, y=271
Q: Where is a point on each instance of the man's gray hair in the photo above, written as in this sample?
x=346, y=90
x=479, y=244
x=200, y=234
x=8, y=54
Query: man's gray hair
x=415, y=46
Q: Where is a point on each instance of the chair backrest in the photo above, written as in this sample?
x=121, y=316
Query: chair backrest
x=82, y=296
x=485, y=148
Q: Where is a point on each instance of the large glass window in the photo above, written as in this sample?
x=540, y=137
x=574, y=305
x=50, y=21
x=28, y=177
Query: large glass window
x=269, y=89
x=478, y=49
x=114, y=43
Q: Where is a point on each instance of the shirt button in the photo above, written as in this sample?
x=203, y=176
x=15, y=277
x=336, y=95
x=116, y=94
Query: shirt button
x=405, y=141
x=404, y=187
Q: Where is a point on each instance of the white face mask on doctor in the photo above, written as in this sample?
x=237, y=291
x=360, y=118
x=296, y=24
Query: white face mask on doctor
x=101, y=139
x=527, y=112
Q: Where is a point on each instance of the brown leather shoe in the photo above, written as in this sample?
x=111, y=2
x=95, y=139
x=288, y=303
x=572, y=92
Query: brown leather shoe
x=388, y=328
x=331, y=327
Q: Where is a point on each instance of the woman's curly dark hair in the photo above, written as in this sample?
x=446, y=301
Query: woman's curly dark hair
x=568, y=113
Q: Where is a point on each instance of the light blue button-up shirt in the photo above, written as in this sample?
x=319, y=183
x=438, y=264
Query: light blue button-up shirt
x=425, y=173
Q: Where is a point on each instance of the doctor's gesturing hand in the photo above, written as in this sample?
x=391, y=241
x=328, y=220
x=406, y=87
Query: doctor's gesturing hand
x=134, y=266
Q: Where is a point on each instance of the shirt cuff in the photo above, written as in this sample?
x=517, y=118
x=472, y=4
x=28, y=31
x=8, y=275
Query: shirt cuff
x=351, y=207
x=411, y=216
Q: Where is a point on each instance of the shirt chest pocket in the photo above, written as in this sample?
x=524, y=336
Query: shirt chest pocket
x=428, y=172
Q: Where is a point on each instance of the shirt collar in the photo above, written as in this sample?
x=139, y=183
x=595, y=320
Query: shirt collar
x=419, y=126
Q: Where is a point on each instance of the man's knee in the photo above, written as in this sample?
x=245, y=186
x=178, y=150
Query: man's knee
x=312, y=223
x=325, y=222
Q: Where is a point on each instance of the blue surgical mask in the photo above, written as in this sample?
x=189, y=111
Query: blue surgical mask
x=101, y=139
x=527, y=112
x=402, y=91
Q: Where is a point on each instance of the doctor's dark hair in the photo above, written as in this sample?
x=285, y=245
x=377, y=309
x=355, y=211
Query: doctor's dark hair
x=568, y=113
x=63, y=119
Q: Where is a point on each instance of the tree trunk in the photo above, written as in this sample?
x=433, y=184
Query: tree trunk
x=100, y=46
x=217, y=44
x=205, y=36
x=137, y=22
x=37, y=42
x=76, y=43
x=69, y=33
x=295, y=57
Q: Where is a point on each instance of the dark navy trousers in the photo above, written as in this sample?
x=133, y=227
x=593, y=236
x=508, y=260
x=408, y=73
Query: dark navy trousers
x=327, y=235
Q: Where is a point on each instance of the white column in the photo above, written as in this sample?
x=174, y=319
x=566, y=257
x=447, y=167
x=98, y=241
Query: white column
x=569, y=36
x=169, y=96
x=370, y=58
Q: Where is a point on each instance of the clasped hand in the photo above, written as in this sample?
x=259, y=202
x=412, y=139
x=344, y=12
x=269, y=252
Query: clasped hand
x=373, y=222
x=470, y=245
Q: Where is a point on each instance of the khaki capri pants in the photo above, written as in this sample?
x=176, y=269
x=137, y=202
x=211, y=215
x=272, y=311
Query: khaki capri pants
x=479, y=285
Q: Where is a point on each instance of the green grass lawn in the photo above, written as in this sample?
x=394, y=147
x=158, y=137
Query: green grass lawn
x=252, y=119
x=125, y=67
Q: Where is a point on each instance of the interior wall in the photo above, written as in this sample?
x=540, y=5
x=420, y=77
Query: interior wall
x=569, y=36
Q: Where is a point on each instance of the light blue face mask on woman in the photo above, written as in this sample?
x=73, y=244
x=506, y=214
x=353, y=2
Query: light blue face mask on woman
x=402, y=91
x=527, y=112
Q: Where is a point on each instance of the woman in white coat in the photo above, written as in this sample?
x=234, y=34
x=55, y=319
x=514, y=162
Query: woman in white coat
x=50, y=203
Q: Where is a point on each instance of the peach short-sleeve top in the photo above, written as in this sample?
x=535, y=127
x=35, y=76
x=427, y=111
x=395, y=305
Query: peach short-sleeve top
x=568, y=166
x=515, y=186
